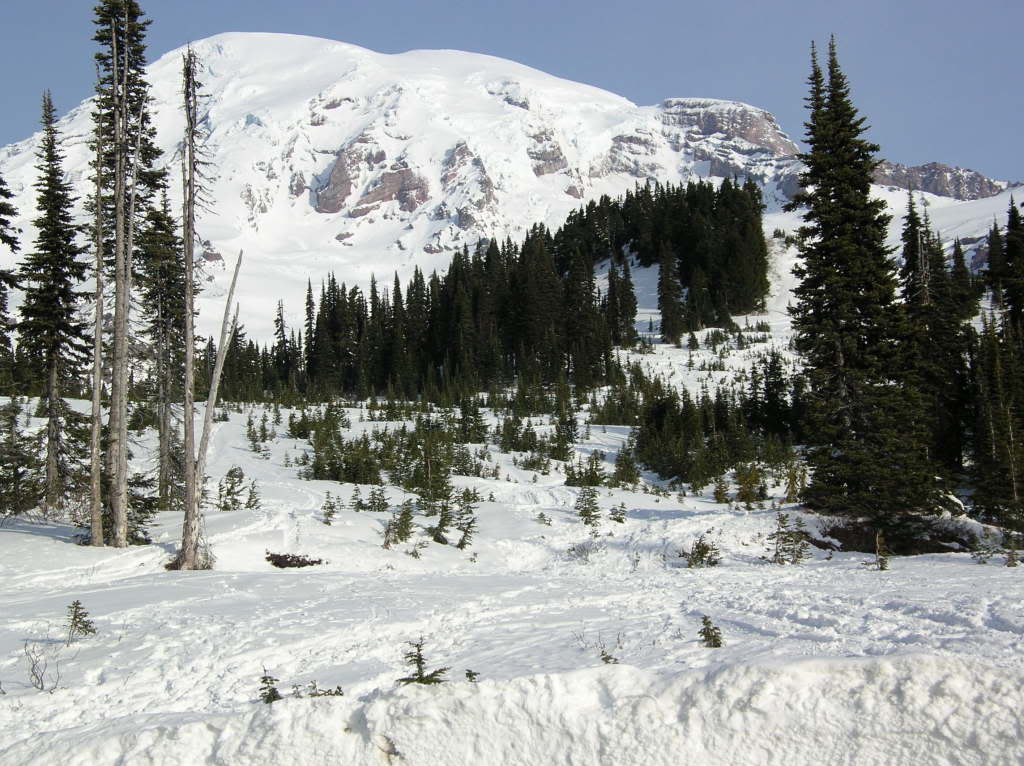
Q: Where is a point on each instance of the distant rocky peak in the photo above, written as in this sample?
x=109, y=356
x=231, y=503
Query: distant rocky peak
x=936, y=178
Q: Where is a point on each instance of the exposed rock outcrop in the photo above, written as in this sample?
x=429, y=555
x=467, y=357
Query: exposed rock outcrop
x=936, y=178
x=362, y=153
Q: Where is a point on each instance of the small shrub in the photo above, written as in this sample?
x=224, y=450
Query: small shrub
x=313, y=690
x=78, y=623
x=415, y=659
x=268, y=688
x=710, y=634
x=328, y=510
x=702, y=553
x=618, y=513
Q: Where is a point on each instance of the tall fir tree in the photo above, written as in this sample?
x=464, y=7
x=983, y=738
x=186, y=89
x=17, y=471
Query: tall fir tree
x=8, y=240
x=50, y=331
x=670, y=295
x=866, y=447
x=162, y=283
x=125, y=169
x=1013, y=257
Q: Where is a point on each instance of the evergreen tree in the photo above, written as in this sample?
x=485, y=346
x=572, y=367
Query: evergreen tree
x=710, y=634
x=8, y=239
x=587, y=508
x=50, y=331
x=18, y=463
x=998, y=395
x=162, y=283
x=866, y=447
x=229, y=490
x=268, y=688
x=329, y=509
x=415, y=659
x=1013, y=255
x=78, y=623
x=670, y=296
x=124, y=145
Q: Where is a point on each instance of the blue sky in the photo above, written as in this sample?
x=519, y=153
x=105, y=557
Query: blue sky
x=937, y=80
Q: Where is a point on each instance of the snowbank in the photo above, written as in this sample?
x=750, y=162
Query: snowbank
x=907, y=710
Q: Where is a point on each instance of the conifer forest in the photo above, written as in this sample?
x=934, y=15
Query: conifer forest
x=390, y=458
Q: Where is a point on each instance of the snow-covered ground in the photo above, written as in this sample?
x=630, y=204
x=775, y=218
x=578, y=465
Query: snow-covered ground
x=826, y=662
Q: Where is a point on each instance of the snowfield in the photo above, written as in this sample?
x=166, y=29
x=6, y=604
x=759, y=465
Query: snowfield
x=825, y=662
x=587, y=648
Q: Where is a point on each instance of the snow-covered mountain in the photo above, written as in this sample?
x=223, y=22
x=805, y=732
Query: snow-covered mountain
x=330, y=157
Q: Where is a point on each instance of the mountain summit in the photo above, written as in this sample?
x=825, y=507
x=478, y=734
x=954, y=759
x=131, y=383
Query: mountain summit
x=329, y=157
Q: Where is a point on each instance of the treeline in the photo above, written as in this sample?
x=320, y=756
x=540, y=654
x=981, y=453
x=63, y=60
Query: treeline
x=512, y=312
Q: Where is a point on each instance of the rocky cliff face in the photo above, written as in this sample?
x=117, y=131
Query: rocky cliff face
x=936, y=178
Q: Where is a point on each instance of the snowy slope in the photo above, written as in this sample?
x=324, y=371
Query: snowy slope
x=826, y=662
x=330, y=157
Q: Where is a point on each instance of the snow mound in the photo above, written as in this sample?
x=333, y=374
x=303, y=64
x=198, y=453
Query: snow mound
x=913, y=709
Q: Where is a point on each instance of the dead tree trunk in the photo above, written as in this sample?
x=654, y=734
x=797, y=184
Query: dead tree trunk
x=188, y=557
x=192, y=555
x=95, y=453
x=117, y=422
x=227, y=332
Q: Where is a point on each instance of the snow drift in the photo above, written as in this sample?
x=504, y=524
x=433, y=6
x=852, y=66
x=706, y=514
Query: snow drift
x=915, y=709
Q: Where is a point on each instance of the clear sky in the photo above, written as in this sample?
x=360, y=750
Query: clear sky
x=937, y=79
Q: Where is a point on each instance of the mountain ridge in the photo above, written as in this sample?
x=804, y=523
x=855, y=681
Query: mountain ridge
x=331, y=157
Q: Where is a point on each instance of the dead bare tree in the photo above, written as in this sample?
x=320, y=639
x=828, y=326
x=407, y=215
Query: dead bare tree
x=192, y=555
x=95, y=445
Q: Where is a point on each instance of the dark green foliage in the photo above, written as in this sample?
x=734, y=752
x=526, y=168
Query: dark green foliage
x=161, y=280
x=378, y=502
x=587, y=508
x=49, y=332
x=445, y=519
x=998, y=450
x=124, y=21
x=78, y=622
x=268, y=688
x=465, y=518
x=9, y=240
x=618, y=513
x=867, y=446
x=229, y=490
x=703, y=553
x=710, y=634
x=527, y=313
x=19, y=464
x=471, y=675
x=252, y=497
x=329, y=509
x=589, y=474
x=357, y=503
x=8, y=235
x=415, y=659
x=789, y=541
x=670, y=294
